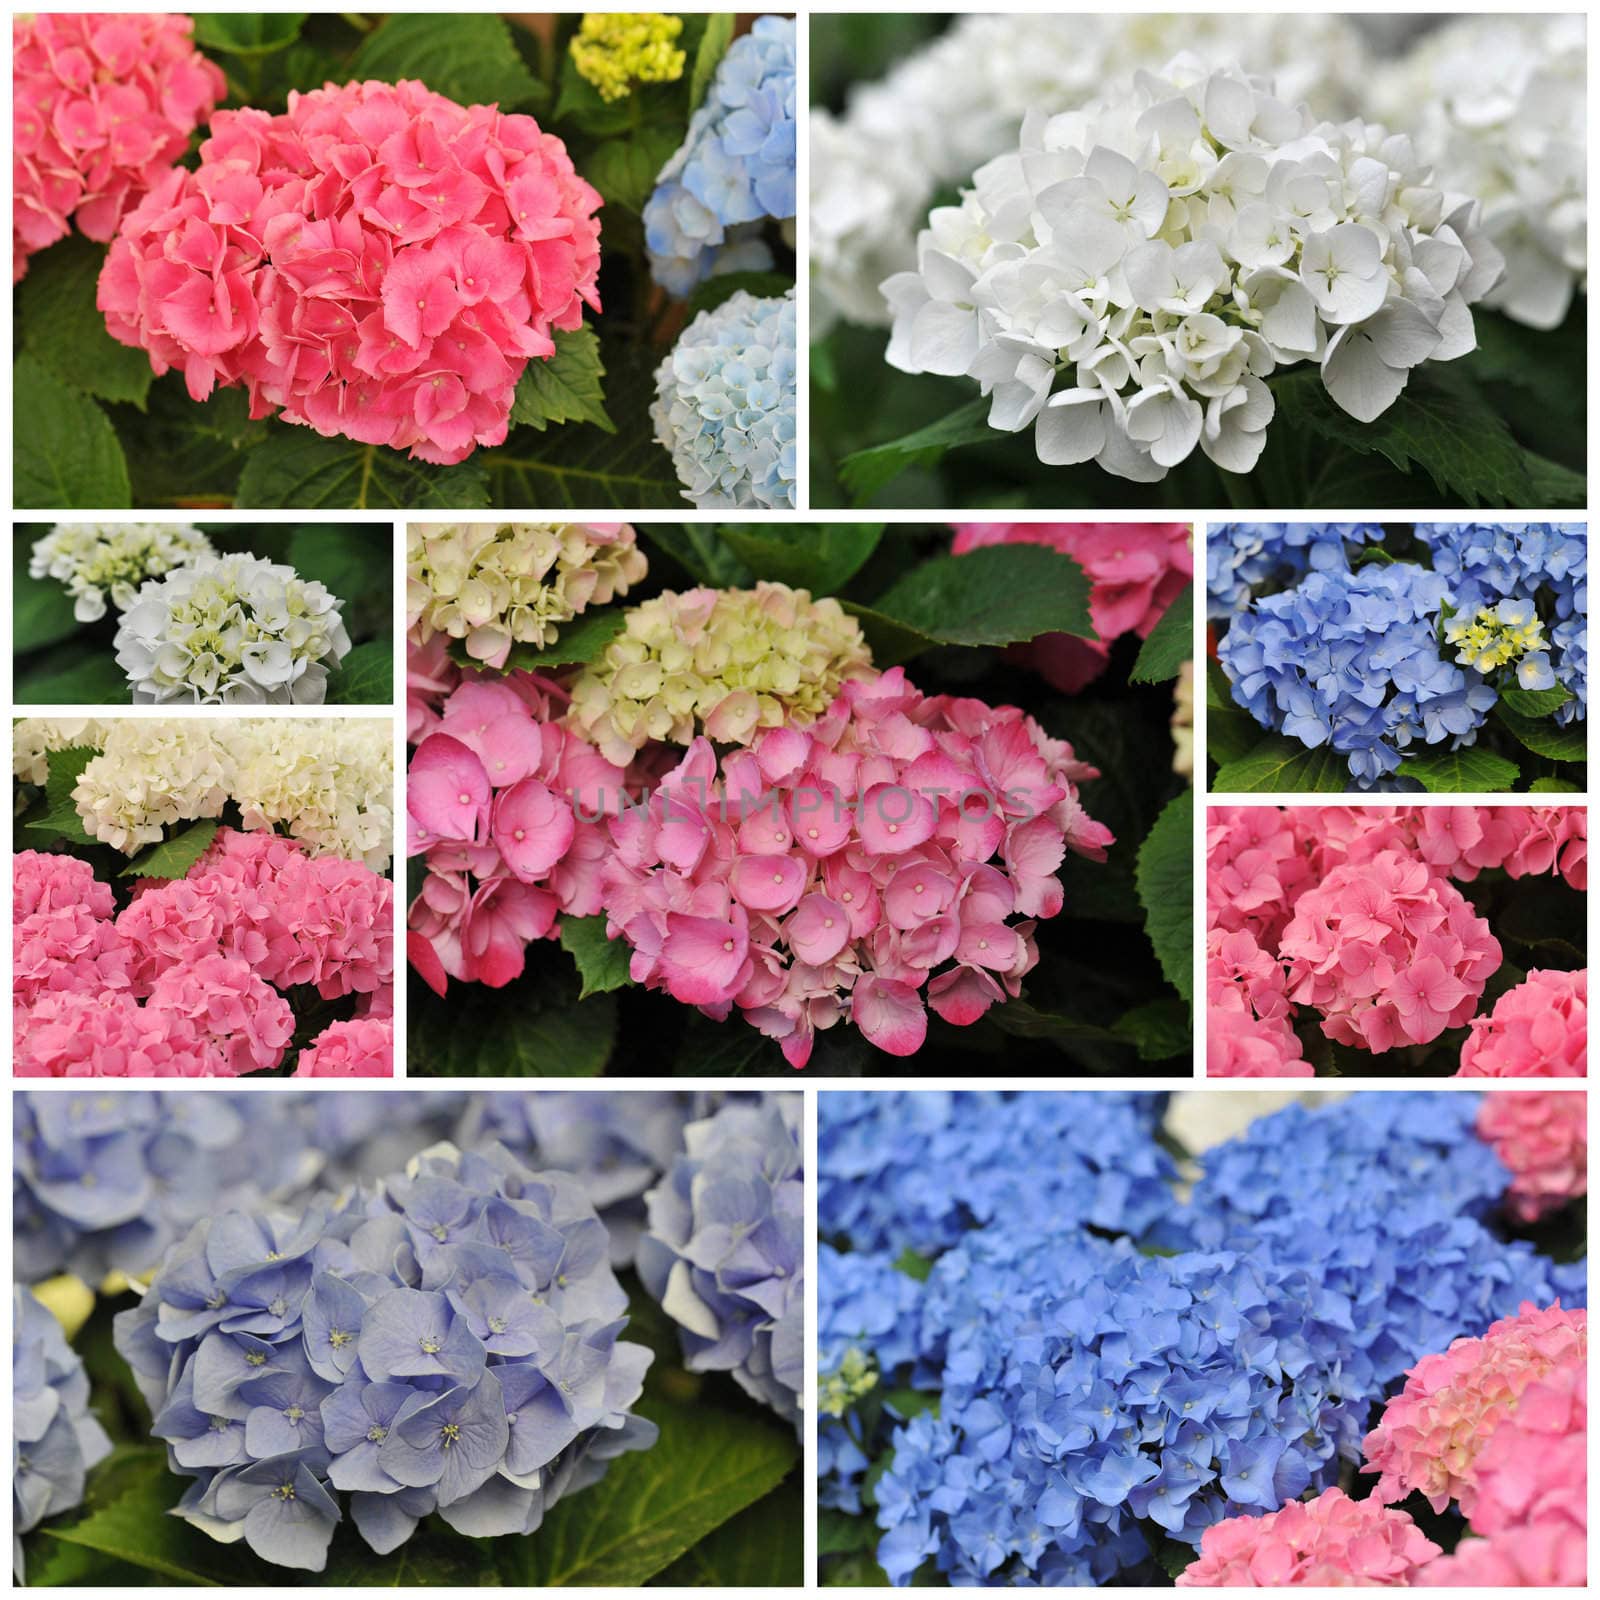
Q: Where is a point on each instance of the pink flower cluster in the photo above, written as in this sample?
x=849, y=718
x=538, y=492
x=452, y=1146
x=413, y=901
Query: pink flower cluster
x=844, y=869
x=102, y=105
x=1539, y=1029
x=363, y=1047
x=186, y=980
x=1248, y=1032
x=377, y=262
x=1330, y=1542
x=1136, y=570
x=504, y=805
x=1542, y=1136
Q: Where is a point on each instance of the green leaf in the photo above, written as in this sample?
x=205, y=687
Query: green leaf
x=65, y=454
x=1554, y=786
x=867, y=471
x=62, y=822
x=581, y=104
x=714, y=44
x=725, y=285
x=580, y=641
x=1159, y=1030
x=1551, y=484
x=839, y=1534
x=296, y=467
x=1024, y=1020
x=1535, y=702
x=625, y=170
x=1278, y=765
x=1231, y=732
x=761, y=1548
x=821, y=559
x=702, y=551
x=63, y=330
x=913, y=1265
x=186, y=454
x=1466, y=771
x=468, y=56
x=350, y=559
x=365, y=677
x=567, y=387
x=247, y=33
x=41, y=608
x=173, y=857
x=65, y=767
x=94, y=679
x=1170, y=644
x=1546, y=738
x=1172, y=1555
x=602, y=962
x=1165, y=878
x=909, y=1403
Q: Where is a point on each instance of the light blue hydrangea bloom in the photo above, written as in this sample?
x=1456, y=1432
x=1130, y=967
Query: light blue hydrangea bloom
x=725, y=1250
x=54, y=1437
x=725, y=400
x=1247, y=559
x=736, y=165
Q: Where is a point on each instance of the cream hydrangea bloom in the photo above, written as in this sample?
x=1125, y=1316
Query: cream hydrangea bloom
x=96, y=559
x=34, y=739
x=720, y=662
x=151, y=773
x=494, y=585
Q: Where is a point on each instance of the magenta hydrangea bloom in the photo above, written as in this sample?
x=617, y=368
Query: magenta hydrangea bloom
x=1539, y=1029
x=1331, y=1542
x=362, y=1047
x=1543, y=1139
x=894, y=855
x=102, y=105
x=377, y=262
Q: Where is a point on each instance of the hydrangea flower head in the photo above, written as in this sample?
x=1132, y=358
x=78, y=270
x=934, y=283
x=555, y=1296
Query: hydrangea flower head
x=1125, y=280
x=1248, y=1032
x=105, y=103
x=736, y=164
x=100, y=559
x=496, y=585
x=724, y=1251
x=447, y=1342
x=231, y=630
x=1539, y=1029
x=1248, y=558
x=844, y=868
x=42, y=883
x=724, y=405
x=362, y=1047
x=724, y=662
x=614, y=50
x=1534, y=1471
x=1543, y=1138
x=1330, y=1542
x=1541, y=1555
x=434, y=248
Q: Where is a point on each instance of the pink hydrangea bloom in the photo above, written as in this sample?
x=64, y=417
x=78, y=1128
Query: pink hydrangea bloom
x=360, y=1048
x=1528, y=841
x=1534, y=1471
x=69, y=949
x=1136, y=570
x=1240, y=1044
x=1552, y=1555
x=1540, y=1029
x=1433, y=1434
x=1255, y=870
x=430, y=676
x=102, y=105
x=248, y=1023
x=1543, y=1138
x=1331, y=1542
x=1388, y=952
x=894, y=855
x=43, y=882
x=80, y=1034
x=377, y=262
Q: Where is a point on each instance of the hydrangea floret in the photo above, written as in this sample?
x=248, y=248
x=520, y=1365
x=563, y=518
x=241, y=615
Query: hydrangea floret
x=1539, y=1029
x=727, y=663
x=429, y=250
x=447, y=1343
x=231, y=630
x=496, y=585
x=98, y=561
x=725, y=405
x=1543, y=1139
x=104, y=104
x=614, y=50
x=736, y=165
x=724, y=1249
x=1125, y=280
x=842, y=870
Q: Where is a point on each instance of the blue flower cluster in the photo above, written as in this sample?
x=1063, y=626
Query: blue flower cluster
x=724, y=405
x=725, y=1250
x=735, y=167
x=1246, y=559
x=55, y=1439
x=448, y=1341
x=1352, y=661
x=910, y=1170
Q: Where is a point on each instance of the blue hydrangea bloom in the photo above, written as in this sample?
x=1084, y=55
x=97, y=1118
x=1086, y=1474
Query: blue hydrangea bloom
x=1245, y=559
x=725, y=1250
x=735, y=167
x=724, y=405
x=448, y=1341
x=915, y=1170
x=54, y=1437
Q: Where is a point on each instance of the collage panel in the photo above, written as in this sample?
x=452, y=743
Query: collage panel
x=458, y=1338
x=1217, y=1338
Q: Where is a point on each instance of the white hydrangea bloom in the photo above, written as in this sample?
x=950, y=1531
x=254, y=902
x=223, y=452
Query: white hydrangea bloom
x=151, y=773
x=1124, y=281
x=231, y=630
x=34, y=739
x=1496, y=105
x=97, y=559
x=947, y=109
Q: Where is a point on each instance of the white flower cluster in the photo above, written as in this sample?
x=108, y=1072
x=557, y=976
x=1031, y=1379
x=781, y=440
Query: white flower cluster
x=95, y=559
x=1126, y=279
x=328, y=782
x=231, y=630
x=947, y=109
x=1496, y=105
